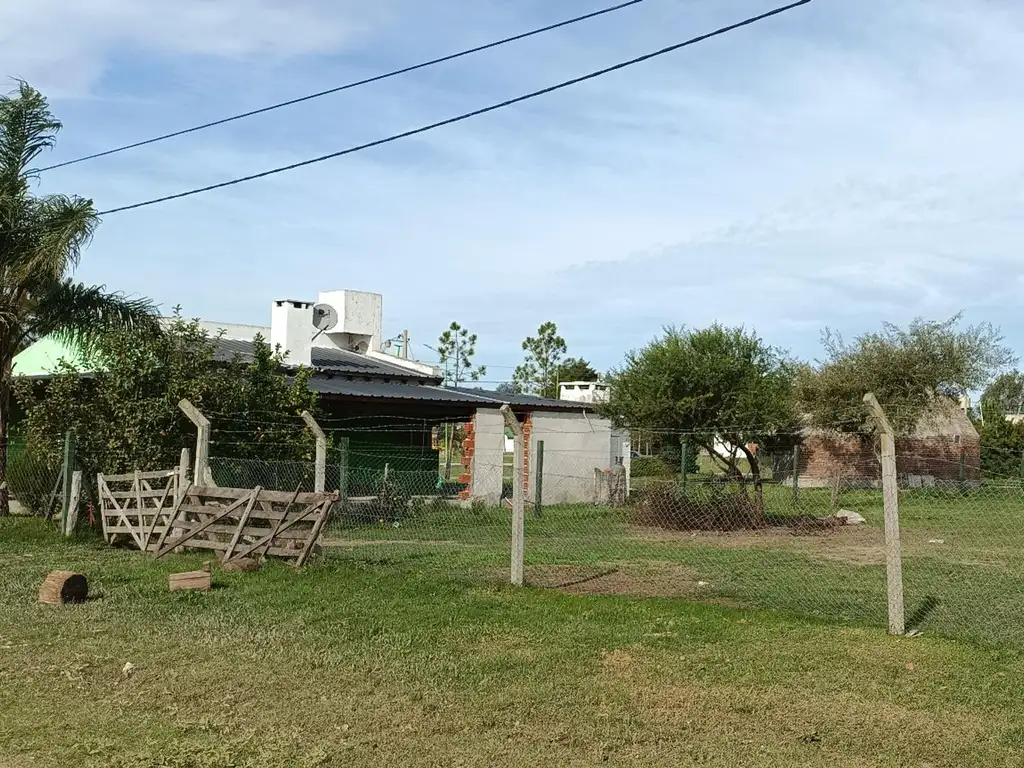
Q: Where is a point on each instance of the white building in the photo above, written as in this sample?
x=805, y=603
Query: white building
x=583, y=391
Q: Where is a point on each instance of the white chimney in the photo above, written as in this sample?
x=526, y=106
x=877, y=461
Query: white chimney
x=291, y=327
x=360, y=319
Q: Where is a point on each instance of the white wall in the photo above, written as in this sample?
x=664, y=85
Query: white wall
x=487, y=465
x=574, y=445
x=291, y=326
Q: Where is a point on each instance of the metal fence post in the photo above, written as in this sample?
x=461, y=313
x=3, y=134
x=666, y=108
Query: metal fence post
x=684, y=446
x=343, y=443
x=538, y=503
x=963, y=472
x=796, y=475
x=69, y=468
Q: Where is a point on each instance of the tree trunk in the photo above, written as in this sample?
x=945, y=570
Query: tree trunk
x=6, y=369
x=755, y=474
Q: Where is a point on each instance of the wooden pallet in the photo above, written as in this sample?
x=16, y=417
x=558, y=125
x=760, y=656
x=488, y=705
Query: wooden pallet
x=235, y=523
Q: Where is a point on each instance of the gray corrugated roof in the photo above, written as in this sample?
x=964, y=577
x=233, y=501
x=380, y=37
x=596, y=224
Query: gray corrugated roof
x=341, y=386
x=394, y=390
x=327, y=359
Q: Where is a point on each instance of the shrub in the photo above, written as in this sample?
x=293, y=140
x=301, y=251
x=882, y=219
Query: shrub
x=652, y=466
x=711, y=507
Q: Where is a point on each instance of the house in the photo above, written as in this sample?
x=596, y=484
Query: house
x=944, y=447
x=388, y=406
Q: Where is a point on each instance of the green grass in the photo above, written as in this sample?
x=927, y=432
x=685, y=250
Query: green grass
x=352, y=663
x=963, y=557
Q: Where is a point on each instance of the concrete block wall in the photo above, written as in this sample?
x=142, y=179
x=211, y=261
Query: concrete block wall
x=574, y=446
x=484, y=455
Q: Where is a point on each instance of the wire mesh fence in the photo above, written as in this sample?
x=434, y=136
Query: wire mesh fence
x=814, y=547
x=803, y=535
x=33, y=477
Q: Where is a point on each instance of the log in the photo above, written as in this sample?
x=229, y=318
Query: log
x=64, y=587
x=244, y=564
x=192, y=580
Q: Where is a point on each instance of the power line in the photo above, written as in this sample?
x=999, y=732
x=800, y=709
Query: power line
x=465, y=115
x=348, y=86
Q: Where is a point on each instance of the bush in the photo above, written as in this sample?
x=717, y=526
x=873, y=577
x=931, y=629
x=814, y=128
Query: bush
x=652, y=466
x=711, y=507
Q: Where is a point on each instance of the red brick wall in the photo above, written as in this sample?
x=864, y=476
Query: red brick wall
x=823, y=457
x=527, y=431
x=468, y=451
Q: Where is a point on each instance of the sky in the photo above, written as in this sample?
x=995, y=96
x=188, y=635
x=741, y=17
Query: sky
x=848, y=163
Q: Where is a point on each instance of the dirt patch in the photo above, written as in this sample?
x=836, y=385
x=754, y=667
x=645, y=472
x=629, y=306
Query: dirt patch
x=389, y=542
x=853, y=544
x=650, y=580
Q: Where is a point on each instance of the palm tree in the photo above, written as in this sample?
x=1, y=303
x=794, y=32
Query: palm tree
x=41, y=241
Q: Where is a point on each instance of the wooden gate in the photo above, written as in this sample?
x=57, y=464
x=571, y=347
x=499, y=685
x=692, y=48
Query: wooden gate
x=137, y=505
x=247, y=522
x=233, y=522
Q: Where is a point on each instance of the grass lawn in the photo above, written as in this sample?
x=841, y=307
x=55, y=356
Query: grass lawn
x=355, y=662
x=963, y=557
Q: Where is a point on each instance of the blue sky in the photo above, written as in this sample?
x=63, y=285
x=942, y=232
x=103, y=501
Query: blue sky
x=848, y=163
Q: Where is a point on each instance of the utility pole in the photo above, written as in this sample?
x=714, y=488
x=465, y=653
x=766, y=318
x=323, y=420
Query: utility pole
x=405, y=344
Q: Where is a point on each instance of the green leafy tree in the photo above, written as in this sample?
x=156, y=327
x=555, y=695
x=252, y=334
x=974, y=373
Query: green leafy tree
x=127, y=416
x=906, y=368
x=538, y=374
x=41, y=241
x=718, y=381
x=456, y=348
x=1004, y=395
x=1002, y=448
x=576, y=369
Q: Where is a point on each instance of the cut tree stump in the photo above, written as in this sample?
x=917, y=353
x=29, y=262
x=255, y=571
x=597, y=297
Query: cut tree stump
x=194, y=580
x=64, y=587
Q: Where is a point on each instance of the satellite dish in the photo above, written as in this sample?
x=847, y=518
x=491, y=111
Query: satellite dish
x=325, y=317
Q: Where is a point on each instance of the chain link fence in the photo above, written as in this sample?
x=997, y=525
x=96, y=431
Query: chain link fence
x=33, y=477
x=814, y=547
x=806, y=538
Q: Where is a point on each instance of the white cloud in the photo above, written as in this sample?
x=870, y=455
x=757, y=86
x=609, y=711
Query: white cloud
x=853, y=163
x=65, y=47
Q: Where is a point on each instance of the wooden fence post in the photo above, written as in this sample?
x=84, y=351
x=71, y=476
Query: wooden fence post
x=69, y=469
x=518, y=502
x=71, y=519
x=182, y=475
x=320, y=475
x=890, y=500
x=202, y=441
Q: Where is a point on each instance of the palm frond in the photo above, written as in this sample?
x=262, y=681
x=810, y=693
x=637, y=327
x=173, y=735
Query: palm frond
x=83, y=314
x=61, y=226
x=27, y=127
